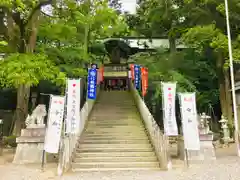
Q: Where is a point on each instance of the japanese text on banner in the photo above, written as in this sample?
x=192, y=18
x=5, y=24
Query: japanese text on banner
x=92, y=83
x=169, y=116
x=144, y=75
x=73, y=106
x=54, y=125
x=189, y=121
x=137, y=77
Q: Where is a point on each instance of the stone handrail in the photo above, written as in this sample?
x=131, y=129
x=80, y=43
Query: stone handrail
x=158, y=139
x=69, y=143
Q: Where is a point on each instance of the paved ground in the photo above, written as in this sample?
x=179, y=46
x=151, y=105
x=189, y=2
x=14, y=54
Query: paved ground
x=227, y=167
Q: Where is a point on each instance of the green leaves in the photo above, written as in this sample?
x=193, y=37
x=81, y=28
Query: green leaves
x=26, y=69
x=199, y=37
x=163, y=66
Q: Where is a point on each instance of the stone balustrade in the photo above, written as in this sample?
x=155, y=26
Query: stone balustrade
x=158, y=139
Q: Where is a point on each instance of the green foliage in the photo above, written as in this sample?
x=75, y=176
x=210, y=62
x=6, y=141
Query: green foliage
x=201, y=37
x=163, y=66
x=3, y=43
x=71, y=37
x=29, y=69
x=191, y=71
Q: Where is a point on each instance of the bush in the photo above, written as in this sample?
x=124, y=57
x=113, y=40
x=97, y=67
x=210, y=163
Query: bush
x=10, y=141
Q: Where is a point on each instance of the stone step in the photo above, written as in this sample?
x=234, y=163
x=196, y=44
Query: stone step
x=124, y=106
x=88, y=165
x=111, y=123
x=115, y=149
x=116, y=154
x=115, y=115
x=115, y=126
x=122, y=138
x=112, y=120
x=113, y=141
x=120, y=107
x=115, y=121
x=116, y=159
x=113, y=146
x=114, y=105
x=115, y=130
x=115, y=169
x=116, y=134
x=116, y=102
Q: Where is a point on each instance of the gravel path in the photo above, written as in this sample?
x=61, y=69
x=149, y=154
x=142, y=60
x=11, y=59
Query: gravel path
x=226, y=167
x=222, y=169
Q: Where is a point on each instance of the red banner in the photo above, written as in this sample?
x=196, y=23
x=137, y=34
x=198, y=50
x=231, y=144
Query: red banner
x=101, y=69
x=99, y=78
x=132, y=71
x=144, y=77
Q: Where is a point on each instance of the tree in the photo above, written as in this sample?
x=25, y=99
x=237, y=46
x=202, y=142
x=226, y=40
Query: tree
x=22, y=22
x=160, y=19
x=210, y=38
x=190, y=70
x=60, y=39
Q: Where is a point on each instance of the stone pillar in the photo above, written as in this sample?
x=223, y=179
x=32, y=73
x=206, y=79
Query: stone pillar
x=30, y=145
x=207, y=149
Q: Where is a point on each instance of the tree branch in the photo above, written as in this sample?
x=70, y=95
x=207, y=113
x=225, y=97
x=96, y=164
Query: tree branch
x=38, y=7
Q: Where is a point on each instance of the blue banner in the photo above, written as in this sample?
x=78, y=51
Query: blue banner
x=92, y=83
x=137, y=76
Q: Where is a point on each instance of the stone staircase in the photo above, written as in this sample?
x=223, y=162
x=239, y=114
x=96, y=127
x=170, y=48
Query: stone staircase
x=115, y=137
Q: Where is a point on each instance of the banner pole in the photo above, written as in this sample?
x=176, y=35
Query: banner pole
x=186, y=158
x=167, y=137
x=44, y=152
x=43, y=160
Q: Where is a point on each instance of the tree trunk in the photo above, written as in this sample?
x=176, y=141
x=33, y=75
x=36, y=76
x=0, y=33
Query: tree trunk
x=223, y=100
x=172, y=44
x=11, y=36
x=222, y=88
x=228, y=98
x=23, y=92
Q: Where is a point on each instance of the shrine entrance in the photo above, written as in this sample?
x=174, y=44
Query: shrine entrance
x=115, y=84
x=115, y=77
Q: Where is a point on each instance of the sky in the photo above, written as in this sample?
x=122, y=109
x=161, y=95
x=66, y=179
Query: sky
x=129, y=5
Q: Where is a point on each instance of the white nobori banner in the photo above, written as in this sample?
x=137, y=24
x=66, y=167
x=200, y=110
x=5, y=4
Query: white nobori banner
x=189, y=121
x=168, y=101
x=73, y=105
x=54, y=125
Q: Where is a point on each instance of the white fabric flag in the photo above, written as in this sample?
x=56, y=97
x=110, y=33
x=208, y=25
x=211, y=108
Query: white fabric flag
x=73, y=106
x=54, y=125
x=189, y=121
x=169, y=115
